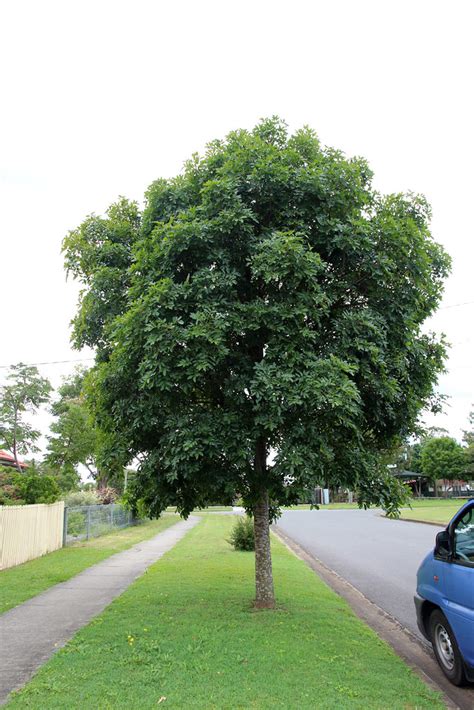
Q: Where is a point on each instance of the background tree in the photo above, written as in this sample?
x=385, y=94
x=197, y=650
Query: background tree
x=468, y=439
x=405, y=456
x=270, y=301
x=442, y=458
x=23, y=394
x=76, y=440
x=99, y=252
x=433, y=432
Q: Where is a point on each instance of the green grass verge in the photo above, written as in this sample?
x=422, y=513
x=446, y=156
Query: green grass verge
x=430, y=513
x=20, y=583
x=437, y=502
x=425, y=510
x=185, y=634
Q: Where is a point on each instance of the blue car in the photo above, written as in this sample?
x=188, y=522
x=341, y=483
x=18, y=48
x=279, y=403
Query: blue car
x=444, y=597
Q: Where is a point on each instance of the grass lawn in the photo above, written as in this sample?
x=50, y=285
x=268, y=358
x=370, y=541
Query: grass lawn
x=432, y=511
x=185, y=636
x=438, y=502
x=20, y=583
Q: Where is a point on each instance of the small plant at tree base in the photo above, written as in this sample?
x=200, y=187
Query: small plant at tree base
x=242, y=535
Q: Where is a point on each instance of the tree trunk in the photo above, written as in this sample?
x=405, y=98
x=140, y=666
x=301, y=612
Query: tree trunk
x=264, y=597
x=15, y=453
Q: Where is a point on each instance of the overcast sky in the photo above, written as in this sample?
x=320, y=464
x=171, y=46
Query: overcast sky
x=100, y=98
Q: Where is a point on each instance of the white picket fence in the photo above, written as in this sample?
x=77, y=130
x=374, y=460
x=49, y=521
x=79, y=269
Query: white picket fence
x=29, y=531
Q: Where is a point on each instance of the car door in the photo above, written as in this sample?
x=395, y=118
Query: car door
x=459, y=581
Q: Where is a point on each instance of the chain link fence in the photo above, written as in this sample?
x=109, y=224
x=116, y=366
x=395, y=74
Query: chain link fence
x=85, y=521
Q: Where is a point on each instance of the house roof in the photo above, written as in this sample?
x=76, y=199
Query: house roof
x=408, y=474
x=8, y=460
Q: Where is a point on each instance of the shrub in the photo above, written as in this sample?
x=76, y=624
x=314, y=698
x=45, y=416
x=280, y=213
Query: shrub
x=82, y=498
x=11, y=489
x=40, y=489
x=107, y=495
x=26, y=488
x=241, y=536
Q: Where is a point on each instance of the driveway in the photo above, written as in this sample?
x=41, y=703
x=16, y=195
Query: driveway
x=379, y=557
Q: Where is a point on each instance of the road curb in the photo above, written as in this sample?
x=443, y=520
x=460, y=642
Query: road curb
x=417, y=655
x=423, y=522
x=420, y=522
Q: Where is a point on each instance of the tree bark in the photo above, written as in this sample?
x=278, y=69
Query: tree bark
x=264, y=594
x=15, y=454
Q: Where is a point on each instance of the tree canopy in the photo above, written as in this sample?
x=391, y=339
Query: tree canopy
x=76, y=441
x=73, y=439
x=258, y=326
x=442, y=458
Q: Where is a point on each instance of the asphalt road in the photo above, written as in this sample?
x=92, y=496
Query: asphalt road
x=379, y=557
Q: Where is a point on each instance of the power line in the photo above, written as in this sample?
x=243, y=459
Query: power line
x=51, y=362
x=88, y=359
x=455, y=305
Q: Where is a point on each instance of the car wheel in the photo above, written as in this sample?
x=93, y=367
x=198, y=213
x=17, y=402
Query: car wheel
x=446, y=648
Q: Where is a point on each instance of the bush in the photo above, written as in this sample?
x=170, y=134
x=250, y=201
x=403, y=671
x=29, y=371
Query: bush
x=107, y=495
x=40, y=489
x=27, y=487
x=11, y=489
x=241, y=536
x=82, y=498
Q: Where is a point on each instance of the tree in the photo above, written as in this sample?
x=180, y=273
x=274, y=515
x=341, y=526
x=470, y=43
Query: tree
x=77, y=441
x=263, y=331
x=24, y=394
x=442, y=458
x=74, y=439
x=468, y=438
x=433, y=432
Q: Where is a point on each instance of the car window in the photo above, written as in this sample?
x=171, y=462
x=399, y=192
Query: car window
x=464, y=538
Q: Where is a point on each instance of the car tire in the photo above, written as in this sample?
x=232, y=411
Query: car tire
x=446, y=648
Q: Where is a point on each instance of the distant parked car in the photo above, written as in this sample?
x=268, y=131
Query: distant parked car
x=444, y=597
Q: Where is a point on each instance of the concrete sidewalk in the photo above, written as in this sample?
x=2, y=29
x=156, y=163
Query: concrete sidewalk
x=31, y=632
